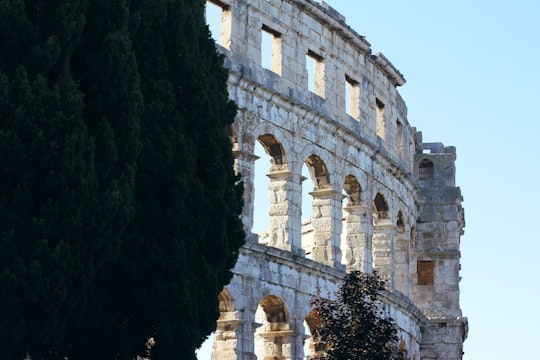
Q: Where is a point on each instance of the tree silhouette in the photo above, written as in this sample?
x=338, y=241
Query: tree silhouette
x=353, y=326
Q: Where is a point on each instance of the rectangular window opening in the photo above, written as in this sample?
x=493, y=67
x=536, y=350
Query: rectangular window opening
x=400, y=139
x=218, y=18
x=352, y=97
x=425, y=271
x=381, y=125
x=315, y=70
x=271, y=49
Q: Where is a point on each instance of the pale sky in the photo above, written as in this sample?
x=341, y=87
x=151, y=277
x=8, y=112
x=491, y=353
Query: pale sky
x=472, y=68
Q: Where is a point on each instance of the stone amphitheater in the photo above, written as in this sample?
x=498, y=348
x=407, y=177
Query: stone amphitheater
x=381, y=198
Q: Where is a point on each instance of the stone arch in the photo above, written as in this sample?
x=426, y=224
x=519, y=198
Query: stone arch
x=274, y=149
x=426, y=170
x=226, y=302
x=276, y=312
x=355, y=223
x=318, y=171
x=265, y=131
x=353, y=191
x=321, y=235
x=311, y=335
x=382, y=211
x=273, y=335
x=283, y=188
x=323, y=159
x=228, y=329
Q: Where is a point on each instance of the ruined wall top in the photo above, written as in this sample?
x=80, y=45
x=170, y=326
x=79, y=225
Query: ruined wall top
x=303, y=53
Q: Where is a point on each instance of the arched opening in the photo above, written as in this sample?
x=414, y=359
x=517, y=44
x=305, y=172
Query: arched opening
x=318, y=171
x=226, y=303
x=274, y=149
x=321, y=235
x=353, y=191
x=273, y=335
x=223, y=342
x=402, y=273
x=383, y=240
x=311, y=337
x=314, y=176
x=261, y=201
x=281, y=185
x=307, y=209
x=204, y=352
x=381, y=207
x=426, y=170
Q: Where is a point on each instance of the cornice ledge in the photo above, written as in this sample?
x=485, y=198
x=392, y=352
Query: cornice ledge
x=385, y=65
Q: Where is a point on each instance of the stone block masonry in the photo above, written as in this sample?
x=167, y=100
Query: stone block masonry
x=381, y=198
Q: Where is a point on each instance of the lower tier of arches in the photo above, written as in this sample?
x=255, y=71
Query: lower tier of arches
x=265, y=311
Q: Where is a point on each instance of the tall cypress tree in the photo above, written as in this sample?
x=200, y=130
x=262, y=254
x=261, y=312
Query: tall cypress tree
x=47, y=178
x=110, y=236
x=106, y=68
x=69, y=139
x=187, y=231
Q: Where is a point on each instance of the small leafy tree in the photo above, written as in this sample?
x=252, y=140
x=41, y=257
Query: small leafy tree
x=352, y=325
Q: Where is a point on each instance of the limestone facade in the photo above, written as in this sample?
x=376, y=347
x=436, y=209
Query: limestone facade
x=381, y=198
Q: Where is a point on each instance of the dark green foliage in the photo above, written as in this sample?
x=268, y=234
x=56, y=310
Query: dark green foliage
x=188, y=206
x=352, y=326
x=108, y=75
x=119, y=208
x=47, y=179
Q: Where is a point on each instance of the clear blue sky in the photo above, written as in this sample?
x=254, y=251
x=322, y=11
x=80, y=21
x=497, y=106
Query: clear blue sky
x=472, y=70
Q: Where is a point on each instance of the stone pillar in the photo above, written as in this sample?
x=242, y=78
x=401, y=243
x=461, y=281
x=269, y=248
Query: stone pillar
x=354, y=237
x=226, y=340
x=277, y=345
x=327, y=224
x=244, y=164
x=383, y=249
x=285, y=222
x=367, y=226
x=403, y=281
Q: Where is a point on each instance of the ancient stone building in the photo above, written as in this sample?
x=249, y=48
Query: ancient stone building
x=381, y=197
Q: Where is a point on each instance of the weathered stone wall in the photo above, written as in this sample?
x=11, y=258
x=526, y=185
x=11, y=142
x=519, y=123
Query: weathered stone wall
x=381, y=198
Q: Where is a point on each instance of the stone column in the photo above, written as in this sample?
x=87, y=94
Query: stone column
x=244, y=164
x=354, y=237
x=367, y=226
x=383, y=249
x=226, y=340
x=402, y=270
x=327, y=224
x=277, y=345
x=285, y=222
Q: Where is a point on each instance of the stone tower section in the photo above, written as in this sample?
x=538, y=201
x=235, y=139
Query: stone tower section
x=312, y=94
x=436, y=251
